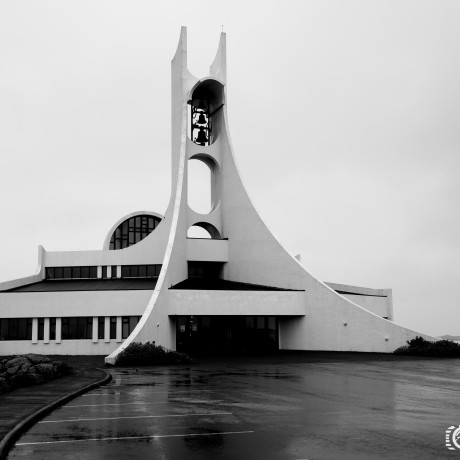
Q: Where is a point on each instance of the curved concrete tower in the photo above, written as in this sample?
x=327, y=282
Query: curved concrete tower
x=242, y=270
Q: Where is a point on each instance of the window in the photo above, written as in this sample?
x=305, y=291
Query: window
x=195, y=270
x=124, y=327
x=101, y=327
x=54, y=273
x=140, y=271
x=41, y=328
x=128, y=323
x=16, y=329
x=52, y=328
x=133, y=230
x=78, y=328
x=204, y=269
x=113, y=327
x=249, y=322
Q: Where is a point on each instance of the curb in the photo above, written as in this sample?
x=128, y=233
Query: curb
x=10, y=438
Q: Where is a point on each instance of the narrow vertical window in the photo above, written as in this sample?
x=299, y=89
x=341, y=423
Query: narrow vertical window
x=41, y=328
x=52, y=328
x=101, y=327
x=113, y=327
x=124, y=327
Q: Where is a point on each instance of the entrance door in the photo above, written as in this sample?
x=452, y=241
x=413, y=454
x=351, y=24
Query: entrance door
x=226, y=334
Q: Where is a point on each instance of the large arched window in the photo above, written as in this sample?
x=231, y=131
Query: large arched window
x=133, y=230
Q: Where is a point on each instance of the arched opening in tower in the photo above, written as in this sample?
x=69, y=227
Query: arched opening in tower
x=199, y=186
x=203, y=230
x=205, y=109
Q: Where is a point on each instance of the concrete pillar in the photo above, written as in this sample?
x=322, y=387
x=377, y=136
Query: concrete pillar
x=107, y=329
x=46, y=332
x=119, y=325
x=109, y=271
x=95, y=329
x=118, y=271
x=58, y=330
x=99, y=272
x=34, y=330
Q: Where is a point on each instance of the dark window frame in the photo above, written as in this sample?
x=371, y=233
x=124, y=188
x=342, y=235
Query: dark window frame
x=113, y=328
x=77, y=328
x=141, y=271
x=133, y=230
x=15, y=329
x=76, y=272
x=41, y=329
x=52, y=328
x=101, y=328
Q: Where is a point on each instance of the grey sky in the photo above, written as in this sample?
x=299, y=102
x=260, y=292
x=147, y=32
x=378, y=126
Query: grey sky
x=344, y=118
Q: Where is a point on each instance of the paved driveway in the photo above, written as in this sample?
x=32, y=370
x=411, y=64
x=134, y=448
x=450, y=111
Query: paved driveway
x=293, y=406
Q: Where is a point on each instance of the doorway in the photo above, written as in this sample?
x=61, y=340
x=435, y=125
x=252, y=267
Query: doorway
x=226, y=334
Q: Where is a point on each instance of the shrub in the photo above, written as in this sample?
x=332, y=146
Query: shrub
x=420, y=346
x=147, y=354
x=31, y=369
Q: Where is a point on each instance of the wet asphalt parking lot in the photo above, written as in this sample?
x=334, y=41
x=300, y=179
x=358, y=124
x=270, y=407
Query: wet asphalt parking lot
x=291, y=406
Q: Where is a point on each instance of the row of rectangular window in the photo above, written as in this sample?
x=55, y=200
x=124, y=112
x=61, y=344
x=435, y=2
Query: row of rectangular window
x=71, y=272
x=140, y=271
x=72, y=328
x=127, y=271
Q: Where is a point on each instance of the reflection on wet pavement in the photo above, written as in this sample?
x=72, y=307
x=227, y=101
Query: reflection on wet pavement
x=288, y=407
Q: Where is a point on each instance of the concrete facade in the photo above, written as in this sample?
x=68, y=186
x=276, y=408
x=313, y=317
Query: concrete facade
x=311, y=314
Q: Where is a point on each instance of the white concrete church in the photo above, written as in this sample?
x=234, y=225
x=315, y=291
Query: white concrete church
x=150, y=282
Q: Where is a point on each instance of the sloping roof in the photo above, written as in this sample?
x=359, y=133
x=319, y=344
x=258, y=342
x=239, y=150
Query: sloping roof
x=124, y=284
x=216, y=284
x=129, y=284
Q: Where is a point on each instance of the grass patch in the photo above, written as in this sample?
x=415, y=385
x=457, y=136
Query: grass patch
x=421, y=347
x=148, y=354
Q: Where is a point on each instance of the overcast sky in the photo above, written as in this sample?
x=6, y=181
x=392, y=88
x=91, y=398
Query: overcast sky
x=344, y=116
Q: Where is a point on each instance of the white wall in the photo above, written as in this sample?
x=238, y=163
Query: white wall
x=380, y=306
x=377, y=301
x=207, y=250
x=73, y=303
x=257, y=303
x=66, y=347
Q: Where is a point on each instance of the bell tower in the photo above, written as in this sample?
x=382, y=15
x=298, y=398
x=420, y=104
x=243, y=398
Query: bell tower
x=241, y=250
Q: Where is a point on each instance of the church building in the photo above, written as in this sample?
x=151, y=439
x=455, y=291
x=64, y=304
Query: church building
x=238, y=290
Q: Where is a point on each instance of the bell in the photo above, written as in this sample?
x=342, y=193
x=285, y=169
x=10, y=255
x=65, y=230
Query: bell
x=201, y=119
x=202, y=138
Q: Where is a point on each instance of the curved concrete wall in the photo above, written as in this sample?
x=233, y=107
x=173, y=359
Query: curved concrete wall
x=331, y=321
